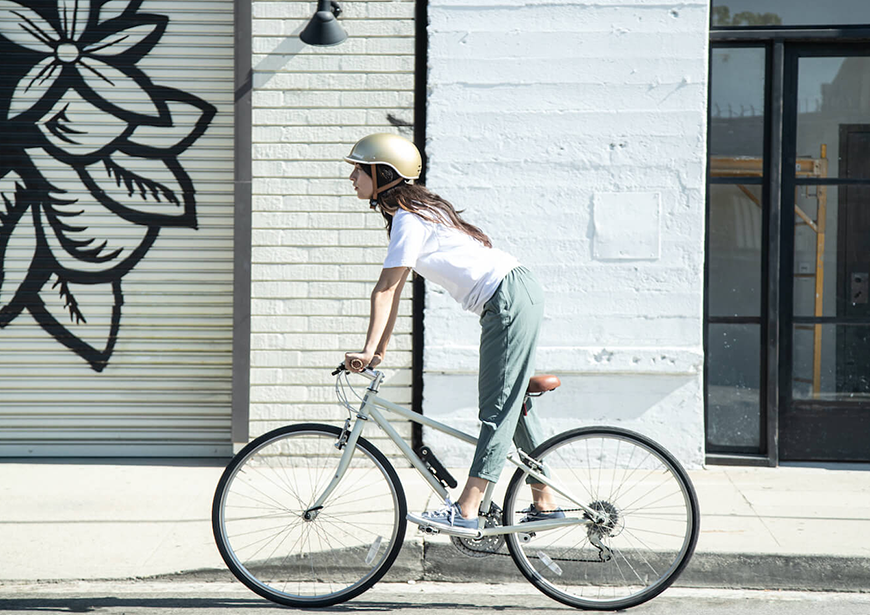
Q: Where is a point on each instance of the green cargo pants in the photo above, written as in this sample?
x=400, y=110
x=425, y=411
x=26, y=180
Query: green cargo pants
x=510, y=323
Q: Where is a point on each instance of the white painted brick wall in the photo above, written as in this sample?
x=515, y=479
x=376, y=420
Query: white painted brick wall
x=317, y=249
x=536, y=112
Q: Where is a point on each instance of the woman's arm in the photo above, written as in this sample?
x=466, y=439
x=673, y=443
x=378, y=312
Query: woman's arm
x=384, y=310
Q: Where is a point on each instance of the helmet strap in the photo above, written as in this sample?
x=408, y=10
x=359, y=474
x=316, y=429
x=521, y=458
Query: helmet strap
x=373, y=202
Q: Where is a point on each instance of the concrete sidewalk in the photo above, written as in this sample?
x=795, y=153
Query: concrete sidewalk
x=775, y=528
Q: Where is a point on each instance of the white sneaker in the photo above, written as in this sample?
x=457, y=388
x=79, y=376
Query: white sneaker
x=448, y=519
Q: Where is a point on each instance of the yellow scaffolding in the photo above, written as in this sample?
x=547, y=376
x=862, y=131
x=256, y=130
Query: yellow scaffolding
x=749, y=166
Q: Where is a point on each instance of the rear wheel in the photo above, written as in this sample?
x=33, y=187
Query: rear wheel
x=648, y=529
x=279, y=547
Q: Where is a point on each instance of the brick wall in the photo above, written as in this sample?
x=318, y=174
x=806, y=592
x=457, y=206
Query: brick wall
x=575, y=135
x=317, y=249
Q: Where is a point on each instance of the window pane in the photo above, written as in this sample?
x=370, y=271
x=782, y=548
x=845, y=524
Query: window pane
x=834, y=116
x=733, y=392
x=734, y=257
x=830, y=362
x=831, y=248
x=790, y=12
x=736, y=102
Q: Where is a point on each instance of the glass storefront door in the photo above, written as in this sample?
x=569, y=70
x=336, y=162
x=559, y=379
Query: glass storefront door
x=825, y=410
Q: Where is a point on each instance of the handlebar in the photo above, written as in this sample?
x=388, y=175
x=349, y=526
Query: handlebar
x=367, y=372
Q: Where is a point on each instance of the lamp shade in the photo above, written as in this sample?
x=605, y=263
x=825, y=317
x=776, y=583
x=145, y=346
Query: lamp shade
x=323, y=29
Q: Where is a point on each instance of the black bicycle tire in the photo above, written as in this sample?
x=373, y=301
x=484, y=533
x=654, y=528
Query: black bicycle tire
x=517, y=482
x=260, y=588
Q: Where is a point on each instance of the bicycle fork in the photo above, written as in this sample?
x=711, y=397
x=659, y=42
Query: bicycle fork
x=346, y=441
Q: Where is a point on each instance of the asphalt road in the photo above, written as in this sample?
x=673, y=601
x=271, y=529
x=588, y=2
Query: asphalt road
x=181, y=598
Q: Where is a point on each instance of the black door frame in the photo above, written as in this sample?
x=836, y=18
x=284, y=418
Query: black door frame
x=776, y=360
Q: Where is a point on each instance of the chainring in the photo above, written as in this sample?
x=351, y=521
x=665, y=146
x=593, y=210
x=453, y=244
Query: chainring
x=486, y=546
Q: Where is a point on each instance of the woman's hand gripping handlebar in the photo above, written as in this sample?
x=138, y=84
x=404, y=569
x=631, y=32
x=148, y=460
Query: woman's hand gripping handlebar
x=358, y=362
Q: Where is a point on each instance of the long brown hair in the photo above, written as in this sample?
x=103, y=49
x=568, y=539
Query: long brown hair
x=419, y=200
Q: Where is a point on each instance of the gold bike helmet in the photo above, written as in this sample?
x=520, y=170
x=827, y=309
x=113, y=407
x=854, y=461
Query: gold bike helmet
x=391, y=150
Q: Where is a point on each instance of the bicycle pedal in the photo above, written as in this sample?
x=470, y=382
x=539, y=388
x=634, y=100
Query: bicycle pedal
x=436, y=528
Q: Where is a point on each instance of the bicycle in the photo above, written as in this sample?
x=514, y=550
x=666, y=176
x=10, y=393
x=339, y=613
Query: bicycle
x=311, y=515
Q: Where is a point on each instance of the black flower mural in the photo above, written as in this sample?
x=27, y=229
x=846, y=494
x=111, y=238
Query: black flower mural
x=89, y=163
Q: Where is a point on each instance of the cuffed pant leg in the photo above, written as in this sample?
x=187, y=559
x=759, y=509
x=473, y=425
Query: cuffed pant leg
x=530, y=432
x=529, y=435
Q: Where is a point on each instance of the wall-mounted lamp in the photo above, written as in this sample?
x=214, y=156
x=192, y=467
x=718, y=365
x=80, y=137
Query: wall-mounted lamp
x=323, y=29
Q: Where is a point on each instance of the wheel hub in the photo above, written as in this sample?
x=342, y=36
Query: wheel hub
x=311, y=513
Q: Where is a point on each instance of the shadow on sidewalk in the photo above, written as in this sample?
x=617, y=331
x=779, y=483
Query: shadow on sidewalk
x=134, y=605
x=179, y=462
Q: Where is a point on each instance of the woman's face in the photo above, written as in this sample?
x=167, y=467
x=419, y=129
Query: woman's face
x=362, y=183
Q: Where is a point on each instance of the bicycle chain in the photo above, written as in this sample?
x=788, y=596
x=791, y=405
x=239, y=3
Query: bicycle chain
x=555, y=559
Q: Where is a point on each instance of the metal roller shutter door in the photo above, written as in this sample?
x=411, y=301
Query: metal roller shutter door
x=116, y=226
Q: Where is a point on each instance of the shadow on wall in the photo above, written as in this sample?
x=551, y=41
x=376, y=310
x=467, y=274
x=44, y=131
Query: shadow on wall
x=278, y=58
x=612, y=398
x=592, y=399
x=650, y=404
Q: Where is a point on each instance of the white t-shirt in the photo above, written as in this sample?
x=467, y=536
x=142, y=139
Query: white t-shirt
x=463, y=266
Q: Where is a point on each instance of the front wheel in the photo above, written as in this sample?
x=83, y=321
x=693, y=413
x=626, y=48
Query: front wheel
x=643, y=539
x=275, y=543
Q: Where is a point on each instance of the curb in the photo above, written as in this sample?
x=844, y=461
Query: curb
x=440, y=562
x=784, y=572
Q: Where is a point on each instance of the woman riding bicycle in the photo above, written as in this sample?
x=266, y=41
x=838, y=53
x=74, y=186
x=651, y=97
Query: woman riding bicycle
x=429, y=236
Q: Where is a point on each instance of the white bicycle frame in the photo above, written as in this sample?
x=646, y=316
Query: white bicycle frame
x=369, y=410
